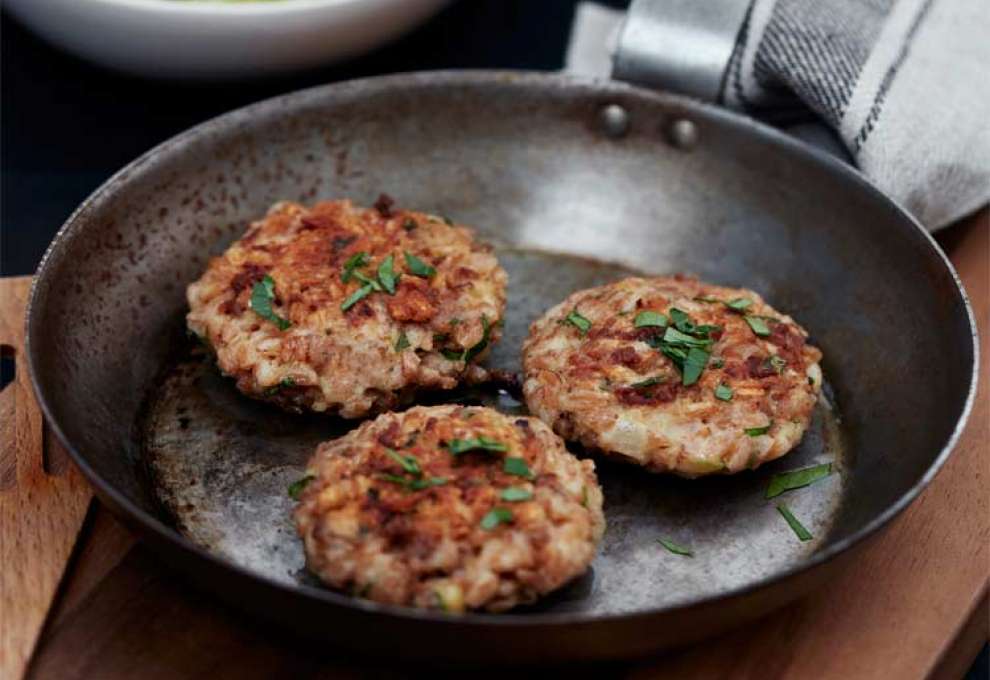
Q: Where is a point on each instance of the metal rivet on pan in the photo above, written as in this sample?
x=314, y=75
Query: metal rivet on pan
x=683, y=134
x=615, y=120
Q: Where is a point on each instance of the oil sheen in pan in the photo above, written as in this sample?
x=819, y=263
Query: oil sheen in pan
x=221, y=465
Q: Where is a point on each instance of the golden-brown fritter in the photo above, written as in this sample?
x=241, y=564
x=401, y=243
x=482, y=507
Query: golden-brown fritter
x=673, y=374
x=449, y=507
x=344, y=309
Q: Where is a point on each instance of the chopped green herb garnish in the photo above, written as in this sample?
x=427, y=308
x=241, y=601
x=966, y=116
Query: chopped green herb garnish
x=420, y=484
x=706, y=298
x=797, y=479
x=676, y=337
x=417, y=267
x=296, y=488
x=514, y=494
x=650, y=319
x=356, y=296
x=694, y=364
x=262, y=296
x=517, y=467
x=758, y=325
x=758, y=431
x=717, y=362
x=471, y=352
x=495, y=517
x=579, y=322
x=387, y=276
x=459, y=446
x=649, y=382
x=739, y=304
x=681, y=320
x=798, y=528
x=675, y=548
x=584, y=496
x=368, y=281
x=409, y=463
x=811, y=381
x=777, y=363
x=401, y=342
x=354, y=262
x=411, y=483
x=283, y=383
x=409, y=224
x=723, y=392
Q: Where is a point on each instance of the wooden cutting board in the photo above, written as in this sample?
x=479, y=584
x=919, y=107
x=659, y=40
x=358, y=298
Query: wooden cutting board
x=914, y=606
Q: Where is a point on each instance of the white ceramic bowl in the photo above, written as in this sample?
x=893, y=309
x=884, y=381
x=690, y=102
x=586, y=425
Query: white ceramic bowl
x=202, y=39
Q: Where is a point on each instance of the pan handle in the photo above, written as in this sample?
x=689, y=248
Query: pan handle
x=686, y=46
x=679, y=45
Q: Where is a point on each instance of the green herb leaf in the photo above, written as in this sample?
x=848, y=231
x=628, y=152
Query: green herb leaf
x=758, y=325
x=676, y=337
x=681, y=320
x=283, y=383
x=739, y=304
x=409, y=224
x=649, y=382
x=797, y=479
x=694, y=364
x=420, y=484
x=408, y=463
x=401, y=342
x=471, y=352
x=758, y=431
x=796, y=526
x=706, y=298
x=517, y=467
x=579, y=322
x=723, y=392
x=717, y=362
x=368, y=281
x=495, y=517
x=356, y=296
x=514, y=494
x=459, y=446
x=296, y=488
x=650, y=319
x=777, y=363
x=262, y=296
x=419, y=268
x=386, y=275
x=355, y=261
x=675, y=548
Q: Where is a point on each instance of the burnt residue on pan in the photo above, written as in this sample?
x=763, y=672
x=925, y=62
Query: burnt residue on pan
x=221, y=465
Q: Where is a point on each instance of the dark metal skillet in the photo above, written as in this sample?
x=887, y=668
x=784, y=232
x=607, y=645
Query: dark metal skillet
x=536, y=162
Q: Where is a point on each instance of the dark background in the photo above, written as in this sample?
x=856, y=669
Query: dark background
x=67, y=126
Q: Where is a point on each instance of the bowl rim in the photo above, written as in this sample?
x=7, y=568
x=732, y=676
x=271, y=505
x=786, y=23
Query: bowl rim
x=220, y=8
x=152, y=525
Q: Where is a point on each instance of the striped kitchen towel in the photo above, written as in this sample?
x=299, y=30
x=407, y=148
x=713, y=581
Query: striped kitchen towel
x=904, y=83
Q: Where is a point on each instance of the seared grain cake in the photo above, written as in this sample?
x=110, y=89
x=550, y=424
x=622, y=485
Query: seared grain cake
x=449, y=507
x=349, y=310
x=673, y=374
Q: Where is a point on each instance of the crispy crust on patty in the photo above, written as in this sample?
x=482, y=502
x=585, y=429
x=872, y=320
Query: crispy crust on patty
x=613, y=389
x=373, y=528
x=374, y=354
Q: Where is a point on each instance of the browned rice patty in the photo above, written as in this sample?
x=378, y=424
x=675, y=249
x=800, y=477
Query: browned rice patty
x=601, y=374
x=392, y=514
x=296, y=323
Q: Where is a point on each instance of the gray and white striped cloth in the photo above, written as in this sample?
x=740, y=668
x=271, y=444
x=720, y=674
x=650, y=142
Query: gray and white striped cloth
x=904, y=83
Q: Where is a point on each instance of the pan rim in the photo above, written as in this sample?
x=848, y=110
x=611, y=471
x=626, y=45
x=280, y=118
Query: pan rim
x=534, y=79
